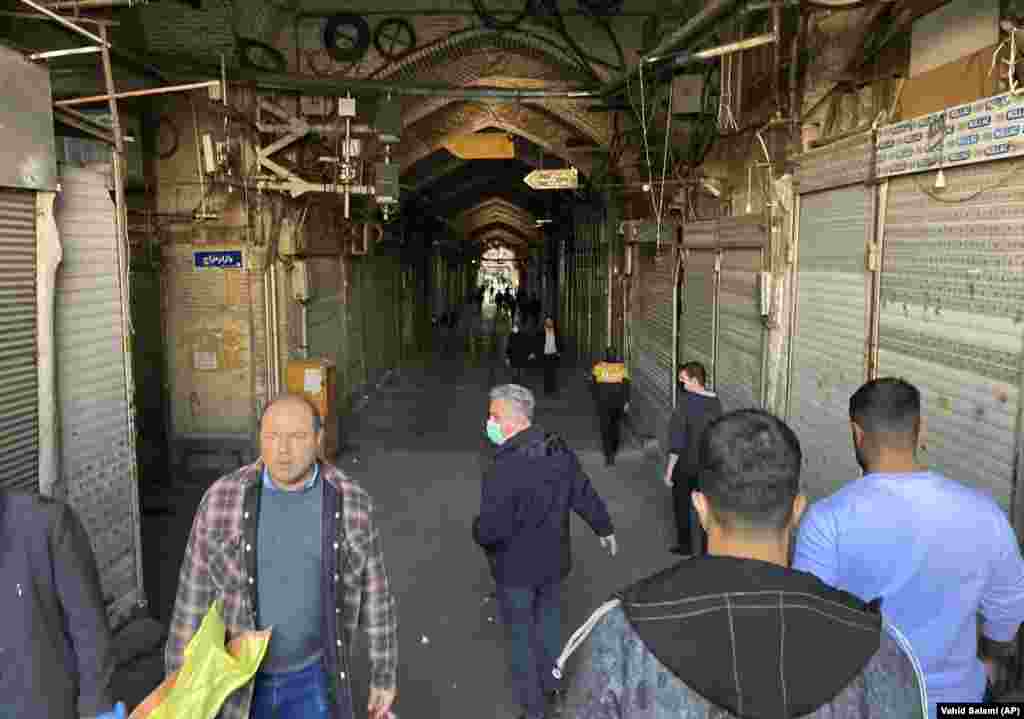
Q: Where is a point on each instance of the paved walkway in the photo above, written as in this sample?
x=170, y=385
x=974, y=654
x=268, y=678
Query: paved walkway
x=417, y=445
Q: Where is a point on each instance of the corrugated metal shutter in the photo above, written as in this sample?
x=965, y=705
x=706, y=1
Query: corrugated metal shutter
x=97, y=452
x=740, y=331
x=952, y=302
x=698, y=319
x=652, y=332
x=845, y=162
x=828, y=350
x=19, y=382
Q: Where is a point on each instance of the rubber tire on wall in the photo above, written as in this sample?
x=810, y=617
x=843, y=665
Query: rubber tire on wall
x=352, y=54
x=246, y=45
x=402, y=23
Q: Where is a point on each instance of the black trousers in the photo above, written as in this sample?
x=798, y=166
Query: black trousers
x=611, y=420
x=550, y=363
x=690, y=536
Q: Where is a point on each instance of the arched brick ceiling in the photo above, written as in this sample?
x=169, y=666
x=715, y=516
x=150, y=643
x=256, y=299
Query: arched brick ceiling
x=497, y=211
x=542, y=128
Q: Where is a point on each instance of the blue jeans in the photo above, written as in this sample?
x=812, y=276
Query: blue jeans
x=295, y=695
x=533, y=628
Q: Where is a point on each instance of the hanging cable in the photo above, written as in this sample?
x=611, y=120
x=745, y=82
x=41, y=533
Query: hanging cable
x=647, y=147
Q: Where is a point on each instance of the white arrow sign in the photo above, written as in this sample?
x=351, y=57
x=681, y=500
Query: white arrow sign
x=561, y=179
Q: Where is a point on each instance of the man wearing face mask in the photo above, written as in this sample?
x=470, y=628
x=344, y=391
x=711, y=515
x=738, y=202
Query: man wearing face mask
x=527, y=494
x=695, y=410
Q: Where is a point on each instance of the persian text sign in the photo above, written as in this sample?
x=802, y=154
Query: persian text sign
x=223, y=259
x=988, y=129
x=562, y=179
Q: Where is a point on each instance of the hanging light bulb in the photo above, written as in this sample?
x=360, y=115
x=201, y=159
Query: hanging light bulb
x=750, y=182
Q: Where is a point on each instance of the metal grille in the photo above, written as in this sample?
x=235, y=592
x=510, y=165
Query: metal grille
x=697, y=328
x=652, y=334
x=19, y=388
x=845, y=162
x=740, y=331
x=949, y=322
x=828, y=360
x=97, y=452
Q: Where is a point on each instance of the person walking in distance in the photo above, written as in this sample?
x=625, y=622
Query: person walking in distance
x=696, y=409
x=611, y=393
x=516, y=352
x=549, y=349
x=533, y=484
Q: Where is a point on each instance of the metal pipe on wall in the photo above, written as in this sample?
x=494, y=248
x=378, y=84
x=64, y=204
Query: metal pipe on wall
x=880, y=202
x=794, y=268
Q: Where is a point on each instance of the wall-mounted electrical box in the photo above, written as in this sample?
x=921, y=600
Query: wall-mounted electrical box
x=300, y=281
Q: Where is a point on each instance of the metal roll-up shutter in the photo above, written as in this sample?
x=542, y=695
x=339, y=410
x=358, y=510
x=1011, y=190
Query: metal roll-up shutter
x=845, y=162
x=952, y=302
x=697, y=328
x=19, y=382
x=829, y=341
x=652, y=337
x=97, y=449
x=599, y=319
x=740, y=331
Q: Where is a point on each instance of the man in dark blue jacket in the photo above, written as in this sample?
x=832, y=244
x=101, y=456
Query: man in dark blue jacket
x=528, y=492
x=56, y=658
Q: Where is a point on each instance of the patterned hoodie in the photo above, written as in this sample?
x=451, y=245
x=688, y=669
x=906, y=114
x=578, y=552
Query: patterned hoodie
x=720, y=638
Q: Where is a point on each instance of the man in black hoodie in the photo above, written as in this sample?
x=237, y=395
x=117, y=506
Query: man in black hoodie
x=531, y=488
x=737, y=633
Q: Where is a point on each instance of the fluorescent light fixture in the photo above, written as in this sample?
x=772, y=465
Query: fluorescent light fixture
x=542, y=222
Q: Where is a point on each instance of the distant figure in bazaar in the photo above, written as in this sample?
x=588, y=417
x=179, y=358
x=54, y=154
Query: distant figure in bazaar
x=517, y=352
x=610, y=379
x=549, y=349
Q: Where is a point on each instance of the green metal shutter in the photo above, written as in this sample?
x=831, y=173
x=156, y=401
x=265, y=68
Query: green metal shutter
x=740, y=331
x=952, y=304
x=828, y=346
x=19, y=383
x=698, y=316
x=652, y=336
x=740, y=354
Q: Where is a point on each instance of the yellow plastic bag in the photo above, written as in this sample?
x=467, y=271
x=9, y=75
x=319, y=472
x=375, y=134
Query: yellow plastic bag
x=210, y=673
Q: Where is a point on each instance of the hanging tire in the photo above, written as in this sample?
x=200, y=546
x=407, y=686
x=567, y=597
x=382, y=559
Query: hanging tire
x=491, y=21
x=260, y=56
x=394, y=38
x=357, y=37
x=601, y=7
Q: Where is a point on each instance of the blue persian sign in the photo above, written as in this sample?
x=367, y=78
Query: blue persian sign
x=223, y=259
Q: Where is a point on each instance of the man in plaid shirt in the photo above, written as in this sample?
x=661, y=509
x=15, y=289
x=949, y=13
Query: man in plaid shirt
x=289, y=543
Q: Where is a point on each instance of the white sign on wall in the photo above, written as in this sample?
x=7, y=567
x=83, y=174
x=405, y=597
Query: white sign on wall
x=988, y=129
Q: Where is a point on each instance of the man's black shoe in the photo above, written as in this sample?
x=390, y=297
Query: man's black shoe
x=680, y=551
x=609, y=461
x=556, y=703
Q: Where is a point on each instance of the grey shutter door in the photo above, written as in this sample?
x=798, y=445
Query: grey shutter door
x=97, y=453
x=952, y=303
x=698, y=317
x=828, y=346
x=842, y=163
x=19, y=382
x=740, y=331
x=651, y=360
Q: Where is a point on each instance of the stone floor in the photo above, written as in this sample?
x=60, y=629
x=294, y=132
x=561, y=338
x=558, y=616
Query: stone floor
x=416, y=443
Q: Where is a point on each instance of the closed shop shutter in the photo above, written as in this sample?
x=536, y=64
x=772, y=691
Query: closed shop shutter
x=952, y=303
x=740, y=330
x=698, y=317
x=828, y=347
x=97, y=452
x=19, y=384
x=599, y=322
x=652, y=333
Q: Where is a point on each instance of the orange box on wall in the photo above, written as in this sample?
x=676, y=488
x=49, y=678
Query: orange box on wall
x=315, y=379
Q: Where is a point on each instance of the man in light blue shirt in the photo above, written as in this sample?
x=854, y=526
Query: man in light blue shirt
x=942, y=556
